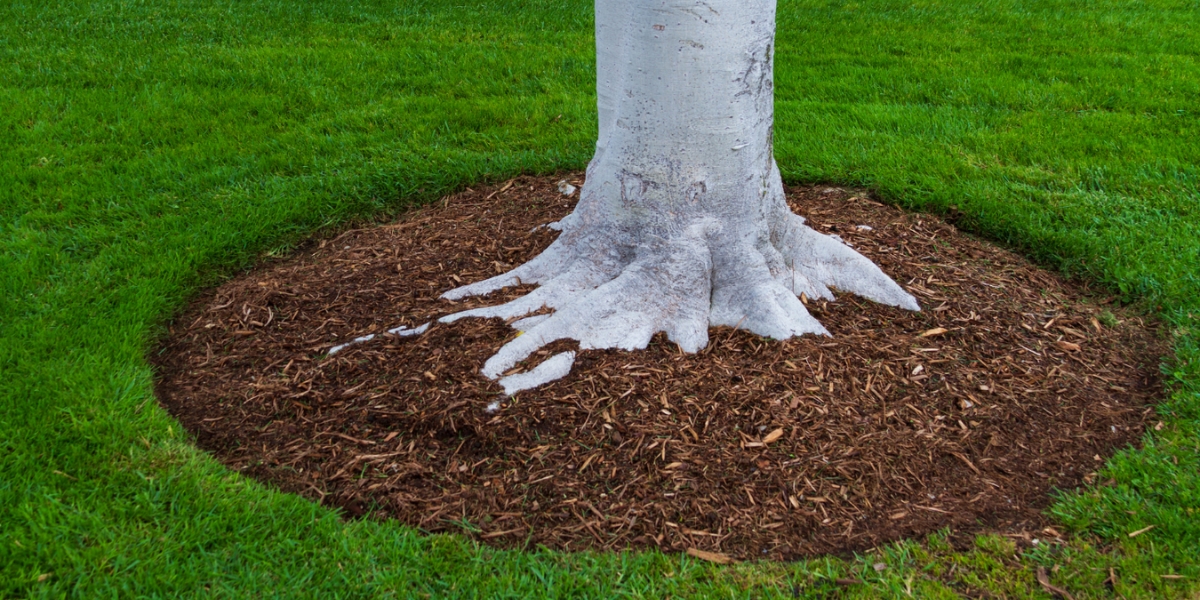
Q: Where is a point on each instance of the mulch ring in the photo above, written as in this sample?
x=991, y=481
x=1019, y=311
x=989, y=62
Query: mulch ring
x=1008, y=384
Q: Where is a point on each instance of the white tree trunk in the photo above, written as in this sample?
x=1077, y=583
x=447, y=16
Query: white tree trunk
x=682, y=222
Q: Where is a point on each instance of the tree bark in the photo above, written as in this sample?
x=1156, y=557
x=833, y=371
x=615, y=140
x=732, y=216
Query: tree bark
x=682, y=222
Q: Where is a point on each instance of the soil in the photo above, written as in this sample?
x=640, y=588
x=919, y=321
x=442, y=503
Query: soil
x=1010, y=383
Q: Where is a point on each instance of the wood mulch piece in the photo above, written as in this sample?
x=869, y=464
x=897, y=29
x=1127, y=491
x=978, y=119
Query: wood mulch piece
x=1009, y=384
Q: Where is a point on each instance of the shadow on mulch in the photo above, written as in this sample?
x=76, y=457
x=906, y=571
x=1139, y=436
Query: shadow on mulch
x=1010, y=384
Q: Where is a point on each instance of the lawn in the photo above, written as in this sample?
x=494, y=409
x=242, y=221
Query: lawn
x=150, y=148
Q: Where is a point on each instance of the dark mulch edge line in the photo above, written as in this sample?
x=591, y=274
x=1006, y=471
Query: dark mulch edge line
x=1011, y=383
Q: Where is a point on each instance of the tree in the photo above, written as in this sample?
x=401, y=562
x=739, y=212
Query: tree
x=682, y=222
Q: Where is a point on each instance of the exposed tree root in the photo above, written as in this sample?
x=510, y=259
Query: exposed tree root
x=606, y=292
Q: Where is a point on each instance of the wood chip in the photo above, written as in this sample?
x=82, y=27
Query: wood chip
x=1141, y=531
x=1043, y=578
x=714, y=557
x=496, y=534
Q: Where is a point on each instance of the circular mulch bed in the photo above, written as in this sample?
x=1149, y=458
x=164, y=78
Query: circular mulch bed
x=1009, y=384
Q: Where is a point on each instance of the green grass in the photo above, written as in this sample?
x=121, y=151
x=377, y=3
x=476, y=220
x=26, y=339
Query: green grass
x=149, y=148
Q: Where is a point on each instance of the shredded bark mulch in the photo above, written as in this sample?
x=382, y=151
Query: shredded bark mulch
x=1009, y=384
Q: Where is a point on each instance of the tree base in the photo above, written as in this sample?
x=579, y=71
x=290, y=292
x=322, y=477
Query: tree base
x=608, y=288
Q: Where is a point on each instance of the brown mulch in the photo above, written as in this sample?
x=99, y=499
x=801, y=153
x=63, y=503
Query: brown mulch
x=1009, y=384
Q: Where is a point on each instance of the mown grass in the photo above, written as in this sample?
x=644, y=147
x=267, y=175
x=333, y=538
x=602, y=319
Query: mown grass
x=152, y=147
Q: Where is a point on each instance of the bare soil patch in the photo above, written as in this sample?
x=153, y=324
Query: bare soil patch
x=1009, y=384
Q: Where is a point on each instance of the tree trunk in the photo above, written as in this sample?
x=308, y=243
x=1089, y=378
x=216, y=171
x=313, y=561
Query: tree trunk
x=682, y=222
